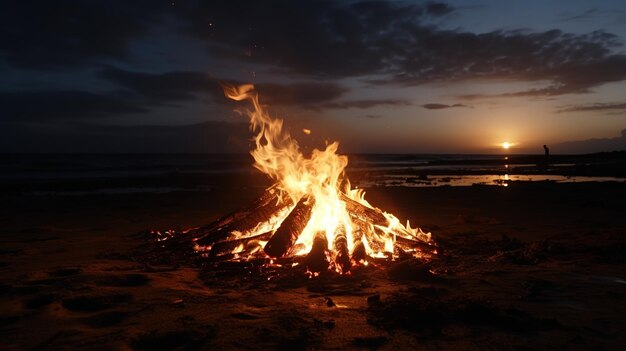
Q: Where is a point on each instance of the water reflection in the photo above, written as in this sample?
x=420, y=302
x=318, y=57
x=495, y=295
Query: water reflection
x=407, y=180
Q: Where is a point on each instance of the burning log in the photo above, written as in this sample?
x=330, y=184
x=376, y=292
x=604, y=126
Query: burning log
x=370, y=233
x=359, y=252
x=364, y=213
x=316, y=260
x=269, y=195
x=416, y=244
x=289, y=230
x=261, y=212
x=226, y=247
x=340, y=244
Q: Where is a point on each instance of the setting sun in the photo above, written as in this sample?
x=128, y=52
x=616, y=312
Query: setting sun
x=506, y=145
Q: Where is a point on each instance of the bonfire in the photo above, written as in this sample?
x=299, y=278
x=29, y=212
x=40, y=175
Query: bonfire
x=310, y=215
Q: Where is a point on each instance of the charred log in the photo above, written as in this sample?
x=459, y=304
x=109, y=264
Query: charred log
x=262, y=208
x=359, y=253
x=374, y=240
x=340, y=245
x=252, y=218
x=289, y=230
x=226, y=247
x=361, y=212
x=416, y=244
x=316, y=260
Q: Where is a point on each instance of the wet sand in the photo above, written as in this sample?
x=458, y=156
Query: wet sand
x=533, y=266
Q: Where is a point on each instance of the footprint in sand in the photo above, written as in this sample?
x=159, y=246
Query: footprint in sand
x=125, y=280
x=94, y=303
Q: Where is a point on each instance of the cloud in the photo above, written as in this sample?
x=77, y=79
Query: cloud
x=334, y=40
x=302, y=94
x=364, y=104
x=174, y=86
x=169, y=86
x=308, y=41
x=592, y=145
x=609, y=107
x=435, y=106
x=52, y=34
x=438, y=9
x=314, y=38
x=569, y=78
x=206, y=137
x=28, y=106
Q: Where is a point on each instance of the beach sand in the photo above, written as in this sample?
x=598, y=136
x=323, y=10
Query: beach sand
x=533, y=266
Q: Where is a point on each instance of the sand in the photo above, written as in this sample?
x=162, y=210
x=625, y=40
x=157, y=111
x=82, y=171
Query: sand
x=528, y=267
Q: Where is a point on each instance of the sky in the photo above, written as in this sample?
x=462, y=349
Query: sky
x=377, y=76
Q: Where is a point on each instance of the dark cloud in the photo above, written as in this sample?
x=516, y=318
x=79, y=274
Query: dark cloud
x=309, y=39
x=608, y=107
x=330, y=39
x=173, y=86
x=25, y=106
x=66, y=33
x=314, y=38
x=570, y=78
x=170, y=86
x=302, y=94
x=592, y=145
x=364, y=104
x=206, y=137
x=441, y=106
x=438, y=9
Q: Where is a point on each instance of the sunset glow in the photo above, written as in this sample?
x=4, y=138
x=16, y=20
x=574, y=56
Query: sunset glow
x=506, y=145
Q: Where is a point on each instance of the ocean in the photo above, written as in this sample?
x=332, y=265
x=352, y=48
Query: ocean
x=81, y=174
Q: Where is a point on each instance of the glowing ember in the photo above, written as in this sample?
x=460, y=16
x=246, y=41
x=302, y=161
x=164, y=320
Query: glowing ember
x=311, y=211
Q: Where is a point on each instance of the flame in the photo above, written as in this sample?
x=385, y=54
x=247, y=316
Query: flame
x=321, y=178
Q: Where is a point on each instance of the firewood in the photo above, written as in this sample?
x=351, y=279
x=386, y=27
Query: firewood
x=289, y=230
x=269, y=195
x=316, y=260
x=359, y=253
x=364, y=213
x=228, y=246
x=373, y=236
x=416, y=244
x=220, y=229
x=253, y=217
x=340, y=245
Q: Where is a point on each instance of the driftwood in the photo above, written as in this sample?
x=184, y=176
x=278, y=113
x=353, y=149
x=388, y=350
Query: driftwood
x=289, y=230
x=340, y=244
x=316, y=260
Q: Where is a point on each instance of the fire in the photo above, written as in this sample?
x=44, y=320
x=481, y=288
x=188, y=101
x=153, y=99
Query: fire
x=319, y=209
x=310, y=217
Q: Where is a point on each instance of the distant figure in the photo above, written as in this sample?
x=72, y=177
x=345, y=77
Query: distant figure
x=545, y=148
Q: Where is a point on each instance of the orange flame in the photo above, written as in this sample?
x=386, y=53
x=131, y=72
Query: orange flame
x=320, y=176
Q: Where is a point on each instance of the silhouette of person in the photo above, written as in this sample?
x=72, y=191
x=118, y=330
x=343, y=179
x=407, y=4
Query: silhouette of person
x=545, y=148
